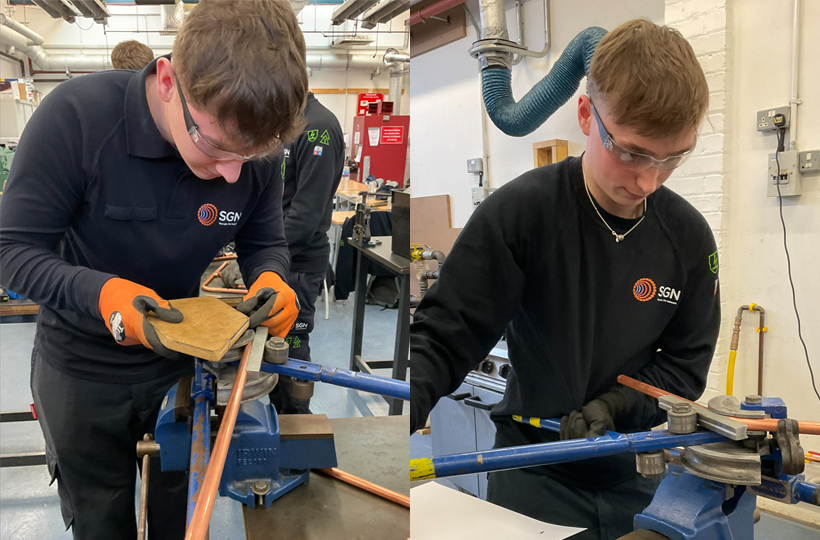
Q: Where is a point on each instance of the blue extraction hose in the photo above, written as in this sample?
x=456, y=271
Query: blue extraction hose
x=555, y=89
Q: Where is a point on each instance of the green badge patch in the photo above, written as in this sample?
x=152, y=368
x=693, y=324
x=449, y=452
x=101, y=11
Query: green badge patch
x=713, y=262
x=325, y=138
x=312, y=134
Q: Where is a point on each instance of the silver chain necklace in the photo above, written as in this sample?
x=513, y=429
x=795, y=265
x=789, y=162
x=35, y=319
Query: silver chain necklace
x=618, y=237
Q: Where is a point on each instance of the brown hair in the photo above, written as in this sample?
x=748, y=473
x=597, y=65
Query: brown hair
x=131, y=54
x=244, y=63
x=649, y=78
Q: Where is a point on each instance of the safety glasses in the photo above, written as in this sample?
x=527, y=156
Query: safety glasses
x=204, y=145
x=635, y=160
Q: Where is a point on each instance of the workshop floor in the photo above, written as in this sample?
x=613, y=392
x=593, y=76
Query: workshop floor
x=30, y=508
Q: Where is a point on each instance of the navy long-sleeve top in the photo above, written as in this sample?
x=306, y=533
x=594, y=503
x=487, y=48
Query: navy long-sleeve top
x=95, y=191
x=579, y=309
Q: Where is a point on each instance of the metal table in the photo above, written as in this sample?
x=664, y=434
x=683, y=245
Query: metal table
x=373, y=448
x=383, y=256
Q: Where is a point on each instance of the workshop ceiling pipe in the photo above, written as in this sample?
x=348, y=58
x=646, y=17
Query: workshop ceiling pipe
x=55, y=62
x=432, y=10
x=493, y=20
x=555, y=89
x=36, y=39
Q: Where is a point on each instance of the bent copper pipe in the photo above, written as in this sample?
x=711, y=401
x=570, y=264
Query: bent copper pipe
x=198, y=527
x=361, y=483
x=225, y=257
x=767, y=424
x=218, y=273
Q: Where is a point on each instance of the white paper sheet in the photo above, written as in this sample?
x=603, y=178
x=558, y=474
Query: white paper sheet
x=374, y=133
x=440, y=513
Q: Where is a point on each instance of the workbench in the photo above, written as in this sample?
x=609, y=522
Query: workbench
x=382, y=255
x=373, y=448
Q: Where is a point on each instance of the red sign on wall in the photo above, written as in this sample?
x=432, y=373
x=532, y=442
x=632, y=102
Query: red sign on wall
x=392, y=134
x=365, y=99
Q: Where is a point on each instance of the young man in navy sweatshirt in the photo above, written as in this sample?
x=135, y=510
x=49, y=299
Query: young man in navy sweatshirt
x=125, y=185
x=595, y=270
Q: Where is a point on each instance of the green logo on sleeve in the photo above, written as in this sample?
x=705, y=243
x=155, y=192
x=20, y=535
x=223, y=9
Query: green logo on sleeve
x=312, y=134
x=713, y=262
x=325, y=138
x=283, y=169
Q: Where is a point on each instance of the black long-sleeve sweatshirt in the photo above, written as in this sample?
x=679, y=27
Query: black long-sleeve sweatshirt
x=312, y=171
x=95, y=191
x=579, y=308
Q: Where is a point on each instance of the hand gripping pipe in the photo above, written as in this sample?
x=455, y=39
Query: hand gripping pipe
x=555, y=89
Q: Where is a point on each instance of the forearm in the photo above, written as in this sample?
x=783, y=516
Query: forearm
x=39, y=275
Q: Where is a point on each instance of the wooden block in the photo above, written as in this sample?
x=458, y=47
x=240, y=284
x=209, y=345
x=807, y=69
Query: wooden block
x=208, y=329
x=304, y=426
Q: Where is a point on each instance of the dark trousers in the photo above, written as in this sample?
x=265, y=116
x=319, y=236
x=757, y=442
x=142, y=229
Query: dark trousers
x=307, y=287
x=91, y=431
x=606, y=512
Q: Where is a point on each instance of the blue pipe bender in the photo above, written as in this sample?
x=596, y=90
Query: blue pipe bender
x=261, y=465
x=688, y=505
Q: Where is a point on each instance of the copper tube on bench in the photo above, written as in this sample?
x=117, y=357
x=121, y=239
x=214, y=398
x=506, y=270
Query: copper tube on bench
x=767, y=424
x=361, y=483
x=198, y=527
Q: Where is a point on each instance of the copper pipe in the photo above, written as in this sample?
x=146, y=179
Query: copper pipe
x=218, y=273
x=198, y=527
x=146, y=466
x=432, y=10
x=767, y=424
x=225, y=257
x=361, y=483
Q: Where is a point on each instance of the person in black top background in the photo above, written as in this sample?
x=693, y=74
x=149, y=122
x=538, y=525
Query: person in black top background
x=594, y=269
x=312, y=170
x=125, y=186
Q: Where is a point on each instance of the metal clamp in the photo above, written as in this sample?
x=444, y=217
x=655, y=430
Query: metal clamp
x=713, y=421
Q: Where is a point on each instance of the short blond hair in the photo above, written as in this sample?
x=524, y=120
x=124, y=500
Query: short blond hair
x=244, y=62
x=650, y=79
x=131, y=54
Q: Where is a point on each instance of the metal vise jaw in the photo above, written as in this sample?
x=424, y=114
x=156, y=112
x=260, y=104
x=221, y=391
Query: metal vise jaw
x=266, y=460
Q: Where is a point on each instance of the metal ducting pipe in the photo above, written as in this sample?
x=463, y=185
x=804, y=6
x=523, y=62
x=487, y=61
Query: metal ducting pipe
x=55, y=62
x=395, y=57
x=35, y=38
x=493, y=20
x=396, y=84
x=101, y=62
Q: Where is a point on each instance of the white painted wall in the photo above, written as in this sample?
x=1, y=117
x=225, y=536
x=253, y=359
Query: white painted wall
x=754, y=238
x=142, y=22
x=446, y=105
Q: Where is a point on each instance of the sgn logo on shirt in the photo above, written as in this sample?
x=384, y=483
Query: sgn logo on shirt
x=645, y=290
x=208, y=215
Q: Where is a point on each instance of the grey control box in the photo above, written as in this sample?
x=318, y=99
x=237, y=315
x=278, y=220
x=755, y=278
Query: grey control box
x=788, y=177
x=475, y=165
x=765, y=120
x=809, y=161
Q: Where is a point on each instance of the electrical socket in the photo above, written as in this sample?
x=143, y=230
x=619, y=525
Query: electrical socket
x=790, y=179
x=475, y=165
x=809, y=161
x=766, y=123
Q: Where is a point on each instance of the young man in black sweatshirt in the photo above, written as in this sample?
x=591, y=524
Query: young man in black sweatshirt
x=124, y=187
x=595, y=270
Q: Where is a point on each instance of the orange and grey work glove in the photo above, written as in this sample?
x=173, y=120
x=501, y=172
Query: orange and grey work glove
x=124, y=306
x=270, y=302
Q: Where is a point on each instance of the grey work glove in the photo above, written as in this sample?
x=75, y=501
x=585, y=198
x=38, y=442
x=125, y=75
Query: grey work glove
x=231, y=275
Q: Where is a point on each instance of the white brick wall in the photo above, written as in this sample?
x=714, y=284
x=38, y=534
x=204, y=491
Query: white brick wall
x=701, y=179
